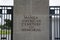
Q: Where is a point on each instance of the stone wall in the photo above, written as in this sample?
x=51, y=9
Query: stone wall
x=31, y=20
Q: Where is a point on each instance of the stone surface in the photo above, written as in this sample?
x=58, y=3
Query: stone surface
x=37, y=8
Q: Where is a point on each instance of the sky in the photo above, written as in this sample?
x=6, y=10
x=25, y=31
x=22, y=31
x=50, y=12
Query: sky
x=54, y=2
x=6, y=2
x=11, y=2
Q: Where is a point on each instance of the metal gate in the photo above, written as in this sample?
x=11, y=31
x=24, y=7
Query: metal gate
x=6, y=22
x=54, y=22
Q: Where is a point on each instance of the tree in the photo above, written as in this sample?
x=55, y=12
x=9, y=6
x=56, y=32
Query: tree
x=8, y=23
x=1, y=26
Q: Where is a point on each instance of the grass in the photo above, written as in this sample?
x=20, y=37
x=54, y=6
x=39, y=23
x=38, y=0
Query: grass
x=5, y=32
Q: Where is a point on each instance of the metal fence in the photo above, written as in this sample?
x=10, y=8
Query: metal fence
x=54, y=15
x=6, y=22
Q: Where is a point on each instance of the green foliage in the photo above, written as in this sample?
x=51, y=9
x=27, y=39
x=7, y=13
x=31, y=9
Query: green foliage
x=7, y=24
x=1, y=26
x=5, y=32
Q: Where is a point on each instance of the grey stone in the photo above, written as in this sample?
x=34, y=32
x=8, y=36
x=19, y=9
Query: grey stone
x=38, y=8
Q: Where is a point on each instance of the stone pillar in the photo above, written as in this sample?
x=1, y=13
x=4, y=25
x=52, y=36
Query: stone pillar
x=31, y=20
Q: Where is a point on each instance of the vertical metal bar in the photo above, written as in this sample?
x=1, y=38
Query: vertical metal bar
x=1, y=27
x=58, y=26
x=3, y=23
x=59, y=22
x=52, y=27
x=12, y=25
x=3, y=19
x=54, y=23
x=6, y=29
